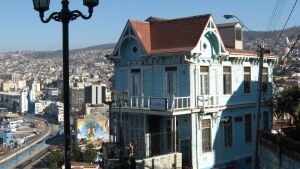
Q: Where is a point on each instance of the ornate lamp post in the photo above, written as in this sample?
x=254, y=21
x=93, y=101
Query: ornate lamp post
x=65, y=16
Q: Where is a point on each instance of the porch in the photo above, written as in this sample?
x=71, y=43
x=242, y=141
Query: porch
x=153, y=135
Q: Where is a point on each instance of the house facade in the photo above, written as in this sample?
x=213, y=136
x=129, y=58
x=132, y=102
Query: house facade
x=186, y=85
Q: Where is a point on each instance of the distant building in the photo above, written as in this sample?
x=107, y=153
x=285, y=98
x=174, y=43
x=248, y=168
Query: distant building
x=35, y=86
x=40, y=105
x=53, y=94
x=10, y=100
x=15, y=77
x=21, y=84
x=24, y=101
x=77, y=70
x=95, y=94
x=9, y=86
x=77, y=98
x=57, y=111
x=5, y=137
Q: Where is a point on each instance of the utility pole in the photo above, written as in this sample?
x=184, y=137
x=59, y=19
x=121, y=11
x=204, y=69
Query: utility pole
x=258, y=103
x=121, y=137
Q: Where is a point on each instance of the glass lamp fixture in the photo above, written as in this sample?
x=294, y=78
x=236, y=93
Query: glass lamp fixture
x=228, y=16
x=90, y=3
x=41, y=5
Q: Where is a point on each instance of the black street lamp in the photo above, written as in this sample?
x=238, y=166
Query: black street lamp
x=65, y=16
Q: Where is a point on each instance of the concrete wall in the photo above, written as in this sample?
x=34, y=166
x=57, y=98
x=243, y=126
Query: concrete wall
x=278, y=152
x=161, y=162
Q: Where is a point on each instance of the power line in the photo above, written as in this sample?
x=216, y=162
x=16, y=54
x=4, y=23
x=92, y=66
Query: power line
x=272, y=15
x=291, y=49
x=275, y=16
x=292, y=10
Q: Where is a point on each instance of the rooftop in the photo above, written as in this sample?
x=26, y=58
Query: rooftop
x=157, y=34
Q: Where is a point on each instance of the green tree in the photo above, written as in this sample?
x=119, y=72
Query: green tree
x=56, y=159
x=47, y=110
x=288, y=102
x=90, y=153
x=76, y=152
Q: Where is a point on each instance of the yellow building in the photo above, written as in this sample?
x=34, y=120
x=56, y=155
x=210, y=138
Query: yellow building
x=9, y=86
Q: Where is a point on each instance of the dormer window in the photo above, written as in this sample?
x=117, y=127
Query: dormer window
x=238, y=34
x=134, y=49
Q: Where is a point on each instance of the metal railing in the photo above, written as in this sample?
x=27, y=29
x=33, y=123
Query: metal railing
x=181, y=103
x=172, y=103
x=208, y=101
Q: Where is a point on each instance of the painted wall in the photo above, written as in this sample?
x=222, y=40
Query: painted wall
x=220, y=155
x=91, y=129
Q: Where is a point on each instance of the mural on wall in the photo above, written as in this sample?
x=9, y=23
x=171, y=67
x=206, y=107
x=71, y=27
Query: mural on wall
x=91, y=129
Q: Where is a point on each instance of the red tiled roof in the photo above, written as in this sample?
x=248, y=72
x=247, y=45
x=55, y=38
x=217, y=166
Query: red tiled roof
x=176, y=35
x=142, y=30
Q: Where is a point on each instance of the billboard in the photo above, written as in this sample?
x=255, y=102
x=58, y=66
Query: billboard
x=91, y=129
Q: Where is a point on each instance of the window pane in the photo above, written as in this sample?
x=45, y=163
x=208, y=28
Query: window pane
x=265, y=77
x=136, y=82
x=226, y=80
x=228, y=132
x=247, y=80
x=238, y=33
x=204, y=84
x=248, y=128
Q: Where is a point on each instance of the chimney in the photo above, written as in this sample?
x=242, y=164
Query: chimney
x=231, y=34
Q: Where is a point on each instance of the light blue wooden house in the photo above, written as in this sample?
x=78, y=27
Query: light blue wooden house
x=187, y=85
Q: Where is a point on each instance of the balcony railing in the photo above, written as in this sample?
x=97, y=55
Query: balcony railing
x=172, y=103
x=208, y=101
x=181, y=103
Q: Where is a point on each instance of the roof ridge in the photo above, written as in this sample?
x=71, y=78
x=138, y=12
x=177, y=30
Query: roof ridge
x=185, y=18
x=135, y=20
x=169, y=20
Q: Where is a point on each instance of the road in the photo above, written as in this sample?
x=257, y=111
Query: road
x=35, y=158
x=52, y=129
x=33, y=161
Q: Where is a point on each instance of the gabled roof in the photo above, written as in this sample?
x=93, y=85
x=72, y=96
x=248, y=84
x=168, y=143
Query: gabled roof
x=175, y=35
x=142, y=29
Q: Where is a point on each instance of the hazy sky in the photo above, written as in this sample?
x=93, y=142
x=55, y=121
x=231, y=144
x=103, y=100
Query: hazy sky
x=21, y=29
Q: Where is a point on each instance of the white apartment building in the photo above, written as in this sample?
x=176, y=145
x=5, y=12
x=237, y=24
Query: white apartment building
x=24, y=100
x=95, y=94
